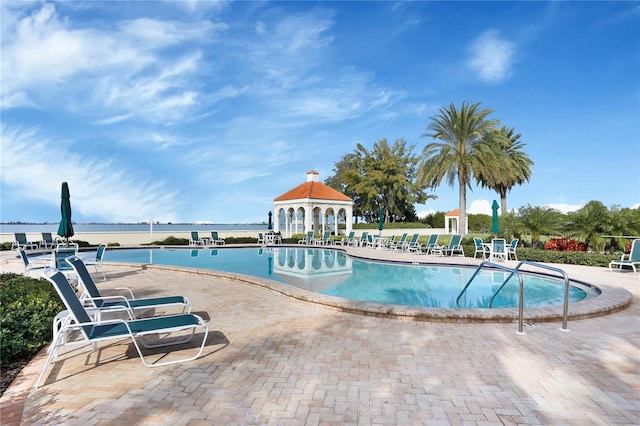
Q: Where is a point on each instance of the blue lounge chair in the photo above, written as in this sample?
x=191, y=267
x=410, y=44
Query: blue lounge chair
x=47, y=241
x=33, y=264
x=432, y=245
x=633, y=260
x=413, y=242
x=91, y=331
x=397, y=245
x=92, y=297
x=20, y=242
x=454, y=246
x=216, y=240
x=307, y=239
x=96, y=261
x=511, y=249
x=195, y=239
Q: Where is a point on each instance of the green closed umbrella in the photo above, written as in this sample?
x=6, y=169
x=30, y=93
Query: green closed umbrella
x=270, y=226
x=495, y=226
x=381, y=220
x=66, y=227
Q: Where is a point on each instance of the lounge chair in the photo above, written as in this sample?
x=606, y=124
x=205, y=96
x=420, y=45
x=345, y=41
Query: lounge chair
x=346, y=241
x=33, y=264
x=481, y=248
x=414, y=245
x=260, y=238
x=411, y=243
x=20, y=242
x=498, y=250
x=454, y=246
x=433, y=244
x=325, y=240
x=397, y=245
x=195, y=239
x=511, y=249
x=363, y=239
x=91, y=331
x=92, y=297
x=307, y=239
x=58, y=262
x=96, y=261
x=216, y=240
x=47, y=241
x=633, y=260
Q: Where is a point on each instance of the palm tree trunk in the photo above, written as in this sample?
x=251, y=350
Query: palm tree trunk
x=503, y=200
x=462, y=207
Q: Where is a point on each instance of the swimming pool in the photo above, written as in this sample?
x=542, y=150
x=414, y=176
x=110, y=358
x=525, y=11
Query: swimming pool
x=333, y=272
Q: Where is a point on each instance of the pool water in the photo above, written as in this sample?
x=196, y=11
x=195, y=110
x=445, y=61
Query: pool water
x=333, y=272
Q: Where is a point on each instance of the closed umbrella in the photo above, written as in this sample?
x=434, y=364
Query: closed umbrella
x=270, y=226
x=495, y=226
x=381, y=221
x=66, y=227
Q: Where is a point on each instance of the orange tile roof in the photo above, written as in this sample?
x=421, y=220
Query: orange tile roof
x=315, y=191
x=455, y=212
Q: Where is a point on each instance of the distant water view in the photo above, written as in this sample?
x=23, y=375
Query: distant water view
x=131, y=227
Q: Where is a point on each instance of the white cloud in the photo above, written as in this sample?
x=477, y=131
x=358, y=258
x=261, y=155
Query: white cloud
x=480, y=207
x=424, y=213
x=491, y=56
x=98, y=187
x=565, y=208
x=636, y=206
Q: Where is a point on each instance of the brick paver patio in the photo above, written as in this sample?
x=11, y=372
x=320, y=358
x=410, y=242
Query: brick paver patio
x=274, y=360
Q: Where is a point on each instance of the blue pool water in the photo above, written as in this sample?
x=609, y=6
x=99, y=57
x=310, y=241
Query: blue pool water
x=334, y=273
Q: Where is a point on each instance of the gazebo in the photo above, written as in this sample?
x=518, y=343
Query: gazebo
x=310, y=206
x=453, y=217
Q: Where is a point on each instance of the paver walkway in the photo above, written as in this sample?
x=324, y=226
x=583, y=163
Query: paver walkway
x=273, y=360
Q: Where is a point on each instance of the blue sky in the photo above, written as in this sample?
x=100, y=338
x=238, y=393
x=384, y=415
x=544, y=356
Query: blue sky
x=206, y=111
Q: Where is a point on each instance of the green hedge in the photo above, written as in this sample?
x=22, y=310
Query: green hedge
x=26, y=313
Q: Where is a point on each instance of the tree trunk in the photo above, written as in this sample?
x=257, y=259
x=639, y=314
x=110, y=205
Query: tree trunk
x=462, y=207
x=503, y=201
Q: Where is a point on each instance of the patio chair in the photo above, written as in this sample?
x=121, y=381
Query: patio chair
x=216, y=240
x=511, y=249
x=363, y=239
x=307, y=239
x=481, y=248
x=195, y=239
x=37, y=264
x=260, y=238
x=346, y=241
x=96, y=261
x=47, y=241
x=91, y=331
x=454, y=246
x=414, y=245
x=498, y=250
x=20, y=242
x=411, y=243
x=325, y=239
x=397, y=245
x=633, y=260
x=59, y=255
x=92, y=297
x=432, y=245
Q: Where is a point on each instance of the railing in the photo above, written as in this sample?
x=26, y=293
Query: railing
x=515, y=271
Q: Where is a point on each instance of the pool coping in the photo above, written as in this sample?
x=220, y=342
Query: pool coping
x=611, y=299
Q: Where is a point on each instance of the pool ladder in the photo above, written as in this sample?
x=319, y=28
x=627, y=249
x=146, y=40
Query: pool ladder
x=516, y=271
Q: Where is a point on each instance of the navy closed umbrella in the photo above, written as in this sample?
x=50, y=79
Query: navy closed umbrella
x=65, y=229
x=495, y=226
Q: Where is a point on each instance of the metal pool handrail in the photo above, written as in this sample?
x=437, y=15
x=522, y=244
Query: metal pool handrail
x=515, y=271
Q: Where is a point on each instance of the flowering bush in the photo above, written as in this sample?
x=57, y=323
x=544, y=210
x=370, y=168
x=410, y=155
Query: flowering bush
x=564, y=244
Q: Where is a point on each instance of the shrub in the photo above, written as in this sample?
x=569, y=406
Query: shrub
x=564, y=244
x=26, y=312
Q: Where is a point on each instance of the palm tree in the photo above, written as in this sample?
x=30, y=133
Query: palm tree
x=463, y=147
x=541, y=220
x=514, y=166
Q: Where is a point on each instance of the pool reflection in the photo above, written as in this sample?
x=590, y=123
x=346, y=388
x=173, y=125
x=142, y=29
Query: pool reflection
x=311, y=269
